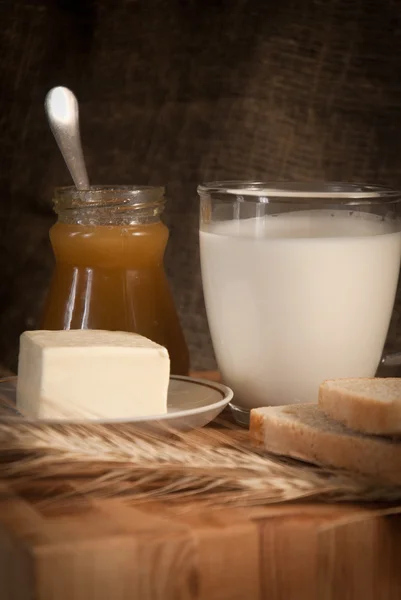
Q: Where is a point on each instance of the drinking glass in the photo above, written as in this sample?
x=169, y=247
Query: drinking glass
x=299, y=283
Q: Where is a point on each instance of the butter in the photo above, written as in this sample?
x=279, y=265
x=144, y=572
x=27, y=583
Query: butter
x=90, y=374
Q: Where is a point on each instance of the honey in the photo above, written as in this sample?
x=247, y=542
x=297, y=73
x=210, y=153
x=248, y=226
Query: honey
x=109, y=271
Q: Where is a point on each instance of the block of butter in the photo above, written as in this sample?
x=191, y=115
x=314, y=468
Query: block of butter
x=90, y=374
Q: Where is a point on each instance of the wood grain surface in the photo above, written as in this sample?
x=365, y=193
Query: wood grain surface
x=103, y=549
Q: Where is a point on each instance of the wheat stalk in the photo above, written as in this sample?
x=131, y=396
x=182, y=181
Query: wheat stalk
x=210, y=466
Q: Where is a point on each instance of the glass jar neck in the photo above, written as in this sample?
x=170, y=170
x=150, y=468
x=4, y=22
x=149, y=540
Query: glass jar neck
x=109, y=205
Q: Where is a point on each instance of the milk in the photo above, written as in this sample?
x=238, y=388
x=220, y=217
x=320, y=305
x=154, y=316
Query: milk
x=298, y=298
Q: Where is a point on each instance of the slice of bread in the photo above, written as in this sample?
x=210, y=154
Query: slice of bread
x=367, y=405
x=303, y=431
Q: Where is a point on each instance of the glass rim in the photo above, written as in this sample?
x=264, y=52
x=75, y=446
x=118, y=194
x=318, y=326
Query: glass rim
x=287, y=191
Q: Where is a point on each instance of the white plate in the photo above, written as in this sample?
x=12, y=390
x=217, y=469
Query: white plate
x=191, y=403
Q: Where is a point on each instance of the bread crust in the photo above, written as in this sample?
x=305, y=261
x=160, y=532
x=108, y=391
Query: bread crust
x=256, y=427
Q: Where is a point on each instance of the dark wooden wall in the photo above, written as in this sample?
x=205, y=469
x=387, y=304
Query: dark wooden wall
x=178, y=91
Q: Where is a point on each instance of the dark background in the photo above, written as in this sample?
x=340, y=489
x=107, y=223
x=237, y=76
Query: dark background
x=175, y=92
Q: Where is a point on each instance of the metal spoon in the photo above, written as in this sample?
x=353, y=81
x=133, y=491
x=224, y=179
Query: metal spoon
x=63, y=114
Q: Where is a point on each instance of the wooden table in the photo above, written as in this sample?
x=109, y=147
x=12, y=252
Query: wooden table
x=112, y=550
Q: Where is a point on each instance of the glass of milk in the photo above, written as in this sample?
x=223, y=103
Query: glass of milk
x=299, y=282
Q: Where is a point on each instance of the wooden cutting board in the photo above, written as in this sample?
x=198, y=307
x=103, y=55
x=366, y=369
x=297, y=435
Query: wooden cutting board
x=111, y=549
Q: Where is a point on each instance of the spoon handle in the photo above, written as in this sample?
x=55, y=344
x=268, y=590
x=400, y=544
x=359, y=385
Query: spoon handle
x=63, y=114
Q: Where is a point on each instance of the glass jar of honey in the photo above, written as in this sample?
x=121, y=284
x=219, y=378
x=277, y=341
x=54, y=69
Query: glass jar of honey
x=109, y=245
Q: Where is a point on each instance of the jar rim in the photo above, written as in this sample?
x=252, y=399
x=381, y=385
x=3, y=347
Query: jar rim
x=288, y=191
x=98, y=194
x=109, y=204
